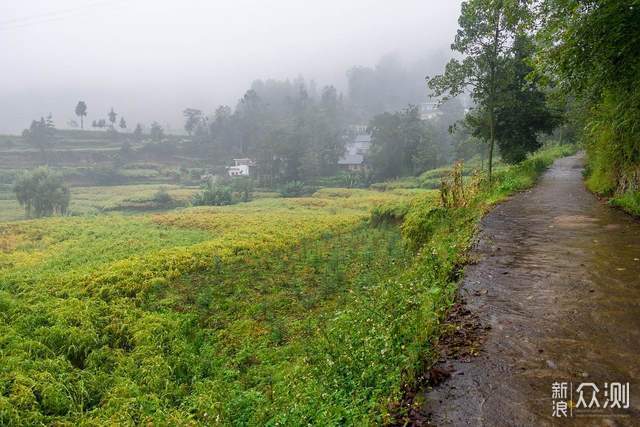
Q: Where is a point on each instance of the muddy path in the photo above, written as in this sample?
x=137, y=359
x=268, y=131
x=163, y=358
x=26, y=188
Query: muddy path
x=557, y=287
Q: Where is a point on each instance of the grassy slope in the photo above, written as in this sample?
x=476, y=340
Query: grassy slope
x=289, y=311
x=610, y=159
x=628, y=201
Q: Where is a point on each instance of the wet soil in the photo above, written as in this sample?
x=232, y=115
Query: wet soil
x=554, y=296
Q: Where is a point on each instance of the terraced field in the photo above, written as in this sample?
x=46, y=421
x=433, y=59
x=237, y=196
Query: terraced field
x=206, y=315
x=315, y=310
x=94, y=200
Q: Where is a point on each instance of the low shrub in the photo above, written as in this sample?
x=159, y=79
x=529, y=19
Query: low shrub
x=420, y=222
x=103, y=175
x=163, y=199
x=213, y=195
x=42, y=193
x=296, y=189
x=524, y=174
x=242, y=187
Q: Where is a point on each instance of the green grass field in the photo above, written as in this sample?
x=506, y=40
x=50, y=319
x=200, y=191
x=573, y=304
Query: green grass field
x=280, y=311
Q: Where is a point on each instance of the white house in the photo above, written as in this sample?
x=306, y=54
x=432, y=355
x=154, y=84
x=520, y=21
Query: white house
x=358, y=129
x=355, y=153
x=241, y=167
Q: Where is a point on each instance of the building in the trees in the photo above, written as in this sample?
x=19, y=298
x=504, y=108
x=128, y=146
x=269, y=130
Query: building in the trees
x=358, y=129
x=429, y=110
x=354, y=157
x=241, y=167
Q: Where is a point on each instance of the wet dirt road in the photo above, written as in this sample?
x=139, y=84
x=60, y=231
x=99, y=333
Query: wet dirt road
x=557, y=285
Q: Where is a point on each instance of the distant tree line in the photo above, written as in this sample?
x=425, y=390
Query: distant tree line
x=294, y=132
x=289, y=131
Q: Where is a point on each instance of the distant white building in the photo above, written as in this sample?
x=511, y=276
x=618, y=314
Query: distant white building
x=354, y=158
x=358, y=129
x=429, y=110
x=241, y=167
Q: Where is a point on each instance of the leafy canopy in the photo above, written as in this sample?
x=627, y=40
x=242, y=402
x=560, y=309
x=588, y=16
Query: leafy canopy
x=42, y=193
x=485, y=38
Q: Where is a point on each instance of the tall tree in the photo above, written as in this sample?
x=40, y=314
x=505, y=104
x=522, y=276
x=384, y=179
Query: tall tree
x=329, y=123
x=251, y=114
x=112, y=118
x=223, y=132
x=81, y=111
x=40, y=135
x=156, y=132
x=522, y=113
x=487, y=29
x=137, y=133
x=50, y=125
x=123, y=123
x=193, y=118
x=400, y=143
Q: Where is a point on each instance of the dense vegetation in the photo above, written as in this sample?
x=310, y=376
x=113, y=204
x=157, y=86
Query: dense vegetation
x=290, y=310
x=591, y=50
x=494, y=39
x=298, y=306
x=405, y=145
x=578, y=76
x=294, y=134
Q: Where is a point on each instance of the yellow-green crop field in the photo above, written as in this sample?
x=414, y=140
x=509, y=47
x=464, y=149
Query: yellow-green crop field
x=276, y=311
x=93, y=200
x=282, y=311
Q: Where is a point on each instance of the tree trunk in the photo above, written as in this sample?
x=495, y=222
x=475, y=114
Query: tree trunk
x=491, y=145
x=492, y=93
x=81, y=121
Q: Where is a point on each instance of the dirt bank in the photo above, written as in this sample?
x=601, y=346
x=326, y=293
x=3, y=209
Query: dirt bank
x=557, y=287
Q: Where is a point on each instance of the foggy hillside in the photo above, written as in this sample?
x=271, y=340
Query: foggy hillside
x=151, y=59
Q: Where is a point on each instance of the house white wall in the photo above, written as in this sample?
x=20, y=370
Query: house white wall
x=241, y=170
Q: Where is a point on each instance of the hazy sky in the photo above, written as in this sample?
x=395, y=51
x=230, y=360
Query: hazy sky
x=150, y=59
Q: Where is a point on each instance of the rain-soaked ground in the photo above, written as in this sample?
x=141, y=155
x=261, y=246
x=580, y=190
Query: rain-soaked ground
x=557, y=286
